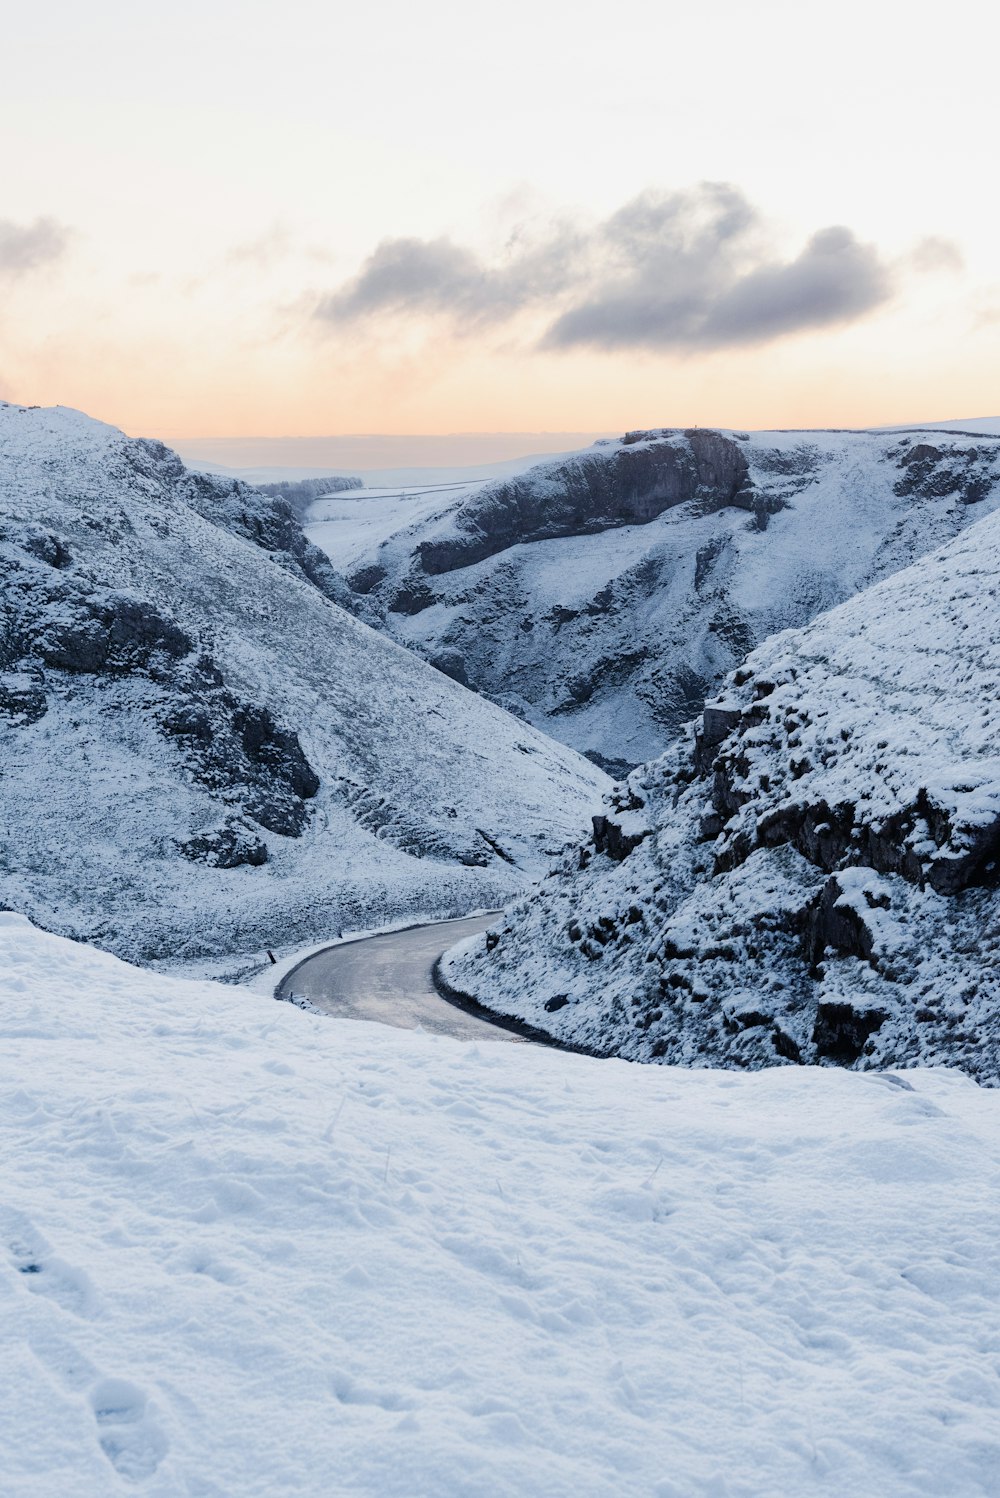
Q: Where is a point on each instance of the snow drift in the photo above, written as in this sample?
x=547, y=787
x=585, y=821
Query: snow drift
x=203, y=754
x=603, y=597
x=249, y=1251
x=812, y=874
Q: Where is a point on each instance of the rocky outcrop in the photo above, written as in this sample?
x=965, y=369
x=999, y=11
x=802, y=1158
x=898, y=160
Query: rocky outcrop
x=630, y=484
x=931, y=472
x=227, y=847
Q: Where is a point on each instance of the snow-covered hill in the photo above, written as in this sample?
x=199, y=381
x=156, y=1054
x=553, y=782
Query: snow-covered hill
x=812, y=873
x=604, y=596
x=201, y=753
x=246, y=1251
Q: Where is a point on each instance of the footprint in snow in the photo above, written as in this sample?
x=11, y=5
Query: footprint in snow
x=44, y=1272
x=129, y=1435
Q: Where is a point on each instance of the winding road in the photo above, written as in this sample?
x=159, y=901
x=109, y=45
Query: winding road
x=388, y=978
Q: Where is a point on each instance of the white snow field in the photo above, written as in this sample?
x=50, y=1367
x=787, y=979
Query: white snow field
x=203, y=754
x=247, y=1251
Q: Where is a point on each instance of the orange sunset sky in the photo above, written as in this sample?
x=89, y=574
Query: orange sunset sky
x=254, y=219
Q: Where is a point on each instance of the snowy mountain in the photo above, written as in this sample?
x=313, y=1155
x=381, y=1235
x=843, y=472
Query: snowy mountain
x=604, y=597
x=202, y=754
x=247, y=1251
x=811, y=874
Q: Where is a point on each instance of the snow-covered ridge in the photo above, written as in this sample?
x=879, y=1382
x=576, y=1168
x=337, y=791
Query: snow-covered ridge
x=202, y=753
x=812, y=873
x=604, y=597
x=249, y=1251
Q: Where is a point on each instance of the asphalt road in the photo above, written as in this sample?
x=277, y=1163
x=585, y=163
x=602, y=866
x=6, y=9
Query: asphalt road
x=388, y=978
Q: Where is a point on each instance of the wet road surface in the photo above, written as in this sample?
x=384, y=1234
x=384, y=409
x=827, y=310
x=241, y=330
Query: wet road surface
x=388, y=978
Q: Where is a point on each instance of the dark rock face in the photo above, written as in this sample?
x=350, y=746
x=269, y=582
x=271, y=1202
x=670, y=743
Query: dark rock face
x=949, y=859
x=596, y=491
x=617, y=649
x=238, y=751
x=114, y=633
x=451, y=663
x=841, y=1031
x=227, y=847
x=22, y=697
x=366, y=578
x=830, y=923
x=59, y=619
x=929, y=472
x=610, y=835
x=836, y=916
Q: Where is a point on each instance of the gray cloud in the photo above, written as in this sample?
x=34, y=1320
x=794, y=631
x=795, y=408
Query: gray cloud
x=27, y=247
x=705, y=300
x=439, y=276
x=684, y=270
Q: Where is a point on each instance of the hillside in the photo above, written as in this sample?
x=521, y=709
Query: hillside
x=202, y=753
x=603, y=597
x=810, y=874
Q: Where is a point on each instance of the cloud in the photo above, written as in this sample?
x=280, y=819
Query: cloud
x=438, y=276
x=683, y=302
x=936, y=254
x=27, y=247
x=685, y=270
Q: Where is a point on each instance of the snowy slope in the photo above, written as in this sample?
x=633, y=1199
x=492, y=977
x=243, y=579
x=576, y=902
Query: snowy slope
x=250, y=1251
x=543, y=592
x=812, y=874
x=201, y=753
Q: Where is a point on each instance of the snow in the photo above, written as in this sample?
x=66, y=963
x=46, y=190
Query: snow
x=246, y=1250
x=608, y=642
x=96, y=799
x=350, y=524
x=860, y=770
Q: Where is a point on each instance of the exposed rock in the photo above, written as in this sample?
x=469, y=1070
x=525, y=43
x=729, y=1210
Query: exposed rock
x=226, y=847
x=237, y=749
x=935, y=473
x=830, y=922
x=612, y=839
x=841, y=1031
x=452, y=664
x=22, y=696
x=649, y=473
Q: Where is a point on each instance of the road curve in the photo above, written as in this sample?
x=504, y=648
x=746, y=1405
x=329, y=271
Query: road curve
x=388, y=978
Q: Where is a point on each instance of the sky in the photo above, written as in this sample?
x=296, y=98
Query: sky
x=292, y=219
